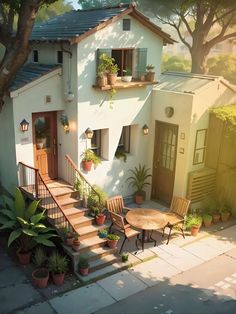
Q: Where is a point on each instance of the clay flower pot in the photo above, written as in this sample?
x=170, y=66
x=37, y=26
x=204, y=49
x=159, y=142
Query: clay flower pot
x=207, y=221
x=87, y=165
x=111, y=78
x=138, y=199
x=195, y=230
x=215, y=218
x=150, y=76
x=58, y=279
x=225, y=217
x=100, y=219
x=76, y=245
x=69, y=241
x=24, y=257
x=84, y=271
x=112, y=243
x=40, y=277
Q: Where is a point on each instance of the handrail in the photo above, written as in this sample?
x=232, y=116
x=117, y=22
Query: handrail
x=68, y=158
x=38, y=180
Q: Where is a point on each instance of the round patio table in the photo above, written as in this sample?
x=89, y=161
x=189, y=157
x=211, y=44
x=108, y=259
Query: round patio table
x=147, y=220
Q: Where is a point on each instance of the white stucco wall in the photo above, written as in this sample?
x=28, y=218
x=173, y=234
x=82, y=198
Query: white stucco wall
x=130, y=107
x=8, y=166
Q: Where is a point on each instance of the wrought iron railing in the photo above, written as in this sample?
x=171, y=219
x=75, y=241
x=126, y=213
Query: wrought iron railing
x=32, y=182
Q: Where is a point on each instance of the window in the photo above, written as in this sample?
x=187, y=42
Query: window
x=35, y=56
x=200, y=147
x=96, y=142
x=123, y=58
x=126, y=24
x=124, y=142
x=59, y=57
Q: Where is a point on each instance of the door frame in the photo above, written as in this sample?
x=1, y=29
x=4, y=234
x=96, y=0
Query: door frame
x=35, y=115
x=155, y=148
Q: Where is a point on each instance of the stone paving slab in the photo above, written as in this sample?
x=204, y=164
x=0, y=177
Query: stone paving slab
x=40, y=308
x=153, y=271
x=222, y=245
x=84, y=300
x=231, y=253
x=11, y=276
x=5, y=261
x=122, y=285
x=14, y=297
x=202, y=250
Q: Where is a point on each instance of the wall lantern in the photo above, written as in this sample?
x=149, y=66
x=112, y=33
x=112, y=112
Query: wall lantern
x=65, y=123
x=24, y=125
x=145, y=129
x=89, y=133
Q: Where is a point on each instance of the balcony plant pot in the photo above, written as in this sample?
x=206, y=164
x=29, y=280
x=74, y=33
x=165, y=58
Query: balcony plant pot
x=111, y=78
x=58, y=278
x=150, y=76
x=100, y=219
x=87, y=165
x=215, y=217
x=207, y=220
x=40, y=277
x=225, y=217
x=102, y=81
x=195, y=230
x=76, y=245
x=126, y=78
x=24, y=257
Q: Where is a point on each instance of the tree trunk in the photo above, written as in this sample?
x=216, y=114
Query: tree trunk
x=199, y=60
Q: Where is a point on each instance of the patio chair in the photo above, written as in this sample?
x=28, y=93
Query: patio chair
x=176, y=215
x=115, y=205
x=119, y=225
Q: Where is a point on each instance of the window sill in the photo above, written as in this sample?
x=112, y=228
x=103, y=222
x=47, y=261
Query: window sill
x=124, y=85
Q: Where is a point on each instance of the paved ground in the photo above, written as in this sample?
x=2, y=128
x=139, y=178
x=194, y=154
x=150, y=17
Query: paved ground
x=197, y=278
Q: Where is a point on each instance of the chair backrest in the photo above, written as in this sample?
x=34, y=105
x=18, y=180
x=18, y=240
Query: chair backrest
x=179, y=206
x=115, y=204
x=117, y=220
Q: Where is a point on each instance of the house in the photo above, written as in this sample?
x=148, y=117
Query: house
x=56, y=93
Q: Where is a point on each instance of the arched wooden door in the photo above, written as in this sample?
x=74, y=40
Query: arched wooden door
x=45, y=143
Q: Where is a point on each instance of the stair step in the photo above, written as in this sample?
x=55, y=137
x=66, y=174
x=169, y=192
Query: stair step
x=65, y=195
x=91, y=243
x=69, y=202
x=90, y=231
x=81, y=221
x=100, y=252
x=102, y=262
x=75, y=211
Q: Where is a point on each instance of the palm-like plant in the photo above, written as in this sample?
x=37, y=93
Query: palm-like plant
x=25, y=223
x=139, y=178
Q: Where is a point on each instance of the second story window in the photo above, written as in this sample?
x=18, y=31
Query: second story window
x=126, y=24
x=124, y=142
x=59, y=56
x=35, y=56
x=96, y=142
x=124, y=59
x=200, y=146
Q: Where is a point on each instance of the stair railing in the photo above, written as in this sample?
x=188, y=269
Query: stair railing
x=31, y=181
x=73, y=174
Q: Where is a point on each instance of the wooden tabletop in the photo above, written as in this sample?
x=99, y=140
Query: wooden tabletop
x=146, y=219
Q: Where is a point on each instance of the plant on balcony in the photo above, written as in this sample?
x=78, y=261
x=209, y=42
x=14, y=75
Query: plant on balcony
x=89, y=158
x=139, y=180
x=150, y=74
x=26, y=224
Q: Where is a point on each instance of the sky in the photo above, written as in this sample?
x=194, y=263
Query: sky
x=74, y=3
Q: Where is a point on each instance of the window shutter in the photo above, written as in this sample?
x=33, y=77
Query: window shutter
x=141, y=61
x=101, y=51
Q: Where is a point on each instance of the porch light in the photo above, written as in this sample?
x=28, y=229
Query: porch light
x=24, y=125
x=145, y=129
x=65, y=123
x=89, y=133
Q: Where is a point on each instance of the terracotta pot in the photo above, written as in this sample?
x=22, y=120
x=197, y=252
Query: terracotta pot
x=215, y=218
x=24, y=257
x=58, y=279
x=225, y=217
x=150, y=76
x=112, y=243
x=40, y=277
x=84, y=271
x=69, y=241
x=138, y=199
x=100, y=219
x=207, y=222
x=102, y=81
x=87, y=165
x=76, y=245
x=195, y=230
x=111, y=78
x=126, y=78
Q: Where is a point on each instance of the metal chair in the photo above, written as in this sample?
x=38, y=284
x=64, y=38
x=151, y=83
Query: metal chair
x=119, y=225
x=115, y=205
x=176, y=215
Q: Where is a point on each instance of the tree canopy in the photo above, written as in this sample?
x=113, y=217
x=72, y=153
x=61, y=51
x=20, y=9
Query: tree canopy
x=46, y=12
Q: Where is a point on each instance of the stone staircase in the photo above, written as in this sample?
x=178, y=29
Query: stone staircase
x=91, y=245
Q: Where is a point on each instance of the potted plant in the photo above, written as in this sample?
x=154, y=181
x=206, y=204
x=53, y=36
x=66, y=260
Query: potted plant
x=112, y=240
x=97, y=202
x=26, y=225
x=57, y=265
x=216, y=215
x=103, y=233
x=207, y=220
x=127, y=75
x=194, y=223
x=124, y=257
x=83, y=265
x=100, y=217
x=102, y=71
x=67, y=235
x=138, y=181
x=225, y=213
x=76, y=243
x=41, y=274
x=150, y=74
x=89, y=158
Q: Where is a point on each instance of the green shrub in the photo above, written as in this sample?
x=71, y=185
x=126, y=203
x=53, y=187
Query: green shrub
x=113, y=237
x=57, y=263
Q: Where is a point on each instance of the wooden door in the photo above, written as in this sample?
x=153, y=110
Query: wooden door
x=164, y=160
x=45, y=143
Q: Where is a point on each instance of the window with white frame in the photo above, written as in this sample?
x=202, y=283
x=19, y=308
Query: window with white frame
x=124, y=142
x=200, y=147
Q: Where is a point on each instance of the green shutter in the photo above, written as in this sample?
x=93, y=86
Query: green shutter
x=141, y=61
x=101, y=51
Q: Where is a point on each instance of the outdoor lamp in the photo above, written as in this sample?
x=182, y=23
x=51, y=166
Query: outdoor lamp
x=89, y=133
x=24, y=125
x=65, y=123
x=145, y=129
